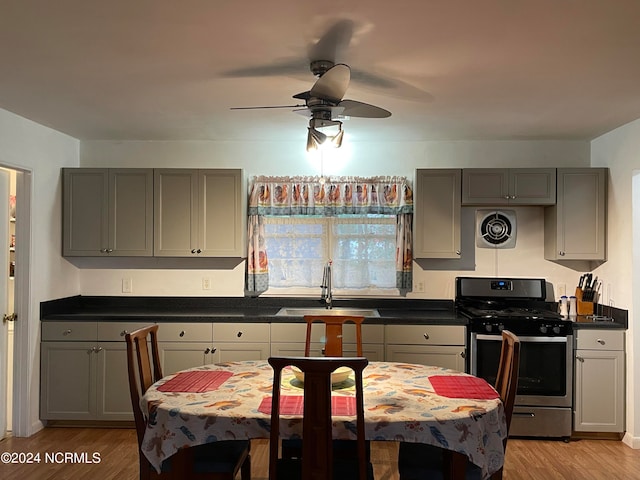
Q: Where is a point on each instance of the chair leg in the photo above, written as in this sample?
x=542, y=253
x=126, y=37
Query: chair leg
x=245, y=469
x=497, y=475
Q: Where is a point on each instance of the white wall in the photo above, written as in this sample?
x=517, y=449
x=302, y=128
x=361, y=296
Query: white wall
x=384, y=158
x=620, y=151
x=27, y=146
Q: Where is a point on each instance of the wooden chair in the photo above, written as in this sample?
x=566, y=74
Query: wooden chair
x=333, y=333
x=318, y=461
x=333, y=324
x=212, y=461
x=419, y=461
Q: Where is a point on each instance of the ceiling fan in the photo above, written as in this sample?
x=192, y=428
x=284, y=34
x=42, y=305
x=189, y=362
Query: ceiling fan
x=324, y=103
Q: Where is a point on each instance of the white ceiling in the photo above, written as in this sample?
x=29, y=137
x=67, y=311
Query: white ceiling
x=454, y=69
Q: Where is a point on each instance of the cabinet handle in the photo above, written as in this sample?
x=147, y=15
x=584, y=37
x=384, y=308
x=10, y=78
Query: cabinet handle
x=98, y=349
x=561, y=253
x=463, y=355
x=214, y=350
x=123, y=333
x=199, y=251
x=506, y=197
x=580, y=359
x=207, y=350
x=239, y=334
x=193, y=250
x=458, y=252
x=426, y=336
x=182, y=333
x=66, y=332
x=103, y=250
x=512, y=197
x=109, y=250
x=600, y=341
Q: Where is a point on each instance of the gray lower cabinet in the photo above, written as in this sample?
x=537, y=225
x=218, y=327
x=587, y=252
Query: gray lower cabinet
x=84, y=371
x=513, y=186
x=199, y=213
x=185, y=345
x=234, y=342
x=575, y=227
x=107, y=212
x=599, y=381
x=288, y=339
x=437, y=210
x=439, y=345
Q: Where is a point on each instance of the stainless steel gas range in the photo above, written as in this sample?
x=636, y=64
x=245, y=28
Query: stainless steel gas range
x=544, y=395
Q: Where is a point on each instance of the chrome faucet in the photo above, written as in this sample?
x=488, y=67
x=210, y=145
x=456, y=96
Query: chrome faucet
x=326, y=294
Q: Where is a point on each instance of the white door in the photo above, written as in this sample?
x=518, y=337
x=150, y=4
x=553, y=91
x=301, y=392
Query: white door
x=4, y=280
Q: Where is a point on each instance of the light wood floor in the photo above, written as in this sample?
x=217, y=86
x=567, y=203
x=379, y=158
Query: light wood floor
x=526, y=459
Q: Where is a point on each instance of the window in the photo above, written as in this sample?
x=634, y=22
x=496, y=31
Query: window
x=362, y=249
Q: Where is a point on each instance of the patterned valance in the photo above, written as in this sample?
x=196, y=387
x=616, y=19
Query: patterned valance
x=330, y=196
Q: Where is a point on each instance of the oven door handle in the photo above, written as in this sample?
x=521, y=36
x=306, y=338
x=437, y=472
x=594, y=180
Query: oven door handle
x=541, y=339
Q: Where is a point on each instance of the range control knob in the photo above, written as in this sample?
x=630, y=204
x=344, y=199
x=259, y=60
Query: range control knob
x=500, y=327
x=543, y=329
x=556, y=329
x=488, y=327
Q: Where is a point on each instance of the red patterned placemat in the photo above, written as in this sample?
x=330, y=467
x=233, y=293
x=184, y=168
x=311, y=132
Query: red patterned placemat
x=462, y=386
x=197, y=381
x=293, y=405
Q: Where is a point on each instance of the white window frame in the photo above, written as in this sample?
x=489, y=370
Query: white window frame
x=337, y=292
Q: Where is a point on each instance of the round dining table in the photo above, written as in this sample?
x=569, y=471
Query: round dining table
x=403, y=402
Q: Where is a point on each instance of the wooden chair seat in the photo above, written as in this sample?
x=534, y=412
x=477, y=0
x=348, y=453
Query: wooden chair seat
x=417, y=461
x=211, y=461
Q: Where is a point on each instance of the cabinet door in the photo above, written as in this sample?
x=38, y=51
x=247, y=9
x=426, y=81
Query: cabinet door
x=176, y=356
x=236, y=352
x=437, y=211
x=485, y=186
x=221, y=213
x=131, y=212
x=452, y=357
x=575, y=227
x=175, y=212
x=68, y=380
x=85, y=211
x=112, y=382
x=532, y=186
x=599, y=396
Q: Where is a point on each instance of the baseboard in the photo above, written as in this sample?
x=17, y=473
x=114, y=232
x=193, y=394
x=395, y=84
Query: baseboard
x=631, y=441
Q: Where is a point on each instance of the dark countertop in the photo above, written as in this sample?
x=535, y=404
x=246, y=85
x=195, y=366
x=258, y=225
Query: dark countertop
x=263, y=310
x=238, y=309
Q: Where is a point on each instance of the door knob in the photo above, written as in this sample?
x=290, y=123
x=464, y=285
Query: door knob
x=12, y=317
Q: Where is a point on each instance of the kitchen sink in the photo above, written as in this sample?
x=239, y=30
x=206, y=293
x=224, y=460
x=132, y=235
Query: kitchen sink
x=300, y=312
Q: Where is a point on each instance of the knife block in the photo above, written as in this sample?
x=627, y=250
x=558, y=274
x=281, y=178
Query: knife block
x=584, y=308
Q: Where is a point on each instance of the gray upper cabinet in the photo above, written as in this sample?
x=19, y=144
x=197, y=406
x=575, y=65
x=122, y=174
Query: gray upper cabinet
x=575, y=228
x=107, y=212
x=499, y=186
x=437, y=212
x=199, y=213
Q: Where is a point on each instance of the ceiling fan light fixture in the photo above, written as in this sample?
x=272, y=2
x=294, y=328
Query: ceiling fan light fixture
x=316, y=138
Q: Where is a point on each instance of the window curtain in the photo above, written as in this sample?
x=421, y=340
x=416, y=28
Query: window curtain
x=328, y=197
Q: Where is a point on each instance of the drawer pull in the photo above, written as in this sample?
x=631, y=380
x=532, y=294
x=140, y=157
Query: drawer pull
x=239, y=334
x=182, y=333
x=600, y=341
x=66, y=332
x=123, y=333
x=426, y=336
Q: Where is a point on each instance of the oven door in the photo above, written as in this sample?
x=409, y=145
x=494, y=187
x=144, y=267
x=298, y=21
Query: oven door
x=545, y=374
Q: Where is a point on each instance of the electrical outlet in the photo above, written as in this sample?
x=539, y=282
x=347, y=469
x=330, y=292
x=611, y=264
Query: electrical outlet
x=562, y=289
x=127, y=285
x=419, y=287
x=206, y=283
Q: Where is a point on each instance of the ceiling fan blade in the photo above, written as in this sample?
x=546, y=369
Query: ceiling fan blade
x=333, y=43
x=352, y=108
x=333, y=84
x=266, y=106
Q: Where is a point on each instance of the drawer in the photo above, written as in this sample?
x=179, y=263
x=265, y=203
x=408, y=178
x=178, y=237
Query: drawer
x=600, y=340
x=241, y=332
x=115, y=331
x=287, y=332
x=69, y=331
x=425, y=334
x=185, y=332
